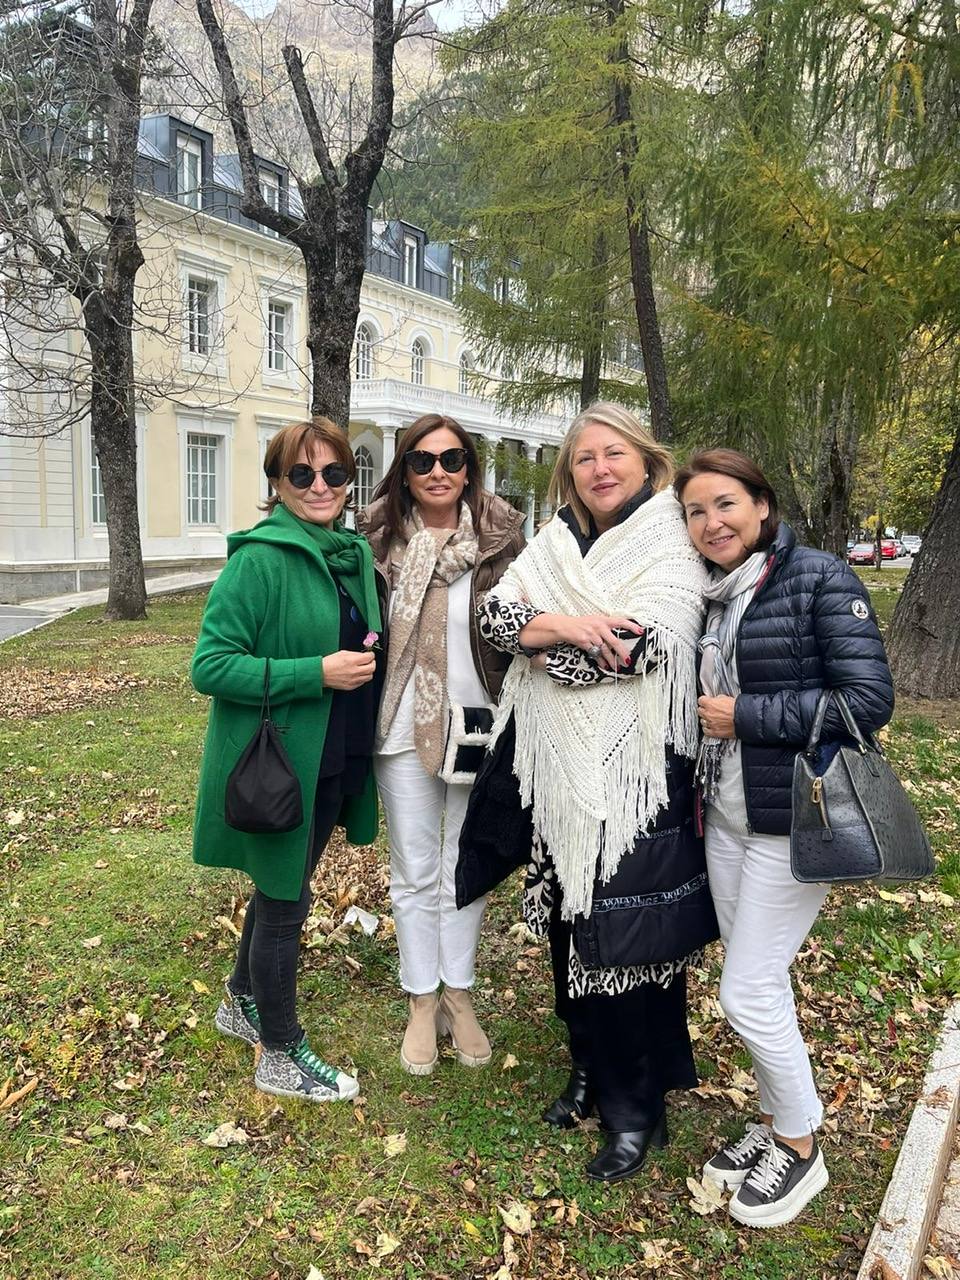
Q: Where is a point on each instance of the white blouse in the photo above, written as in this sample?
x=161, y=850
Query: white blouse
x=464, y=685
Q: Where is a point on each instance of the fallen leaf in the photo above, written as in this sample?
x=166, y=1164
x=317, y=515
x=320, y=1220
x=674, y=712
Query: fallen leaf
x=939, y=1266
x=11, y=1099
x=314, y=1274
x=363, y=1248
x=100, y=865
x=226, y=1135
x=471, y=1228
x=386, y=1244
x=15, y=817
x=516, y=1217
x=510, y=1062
x=142, y=1128
x=115, y=1120
x=200, y=988
x=132, y=1020
x=706, y=1196
x=90, y=943
x=394, y=1144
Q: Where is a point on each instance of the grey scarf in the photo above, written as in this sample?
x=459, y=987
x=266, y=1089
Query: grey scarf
x=729, y=595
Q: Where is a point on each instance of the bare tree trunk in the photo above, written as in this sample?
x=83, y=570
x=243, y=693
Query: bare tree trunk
x=837, y=482
x=590, y=375
x=592, y=365
x=638, y=231
x=114, y=429
x=924, y=639
x=332, y=234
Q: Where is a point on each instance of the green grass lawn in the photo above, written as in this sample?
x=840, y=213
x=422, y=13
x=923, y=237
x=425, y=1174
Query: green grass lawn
x=113, y=950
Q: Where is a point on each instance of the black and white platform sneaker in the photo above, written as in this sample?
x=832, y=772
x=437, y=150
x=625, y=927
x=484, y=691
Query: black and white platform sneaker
x=730, y=1166
x=779, y=1186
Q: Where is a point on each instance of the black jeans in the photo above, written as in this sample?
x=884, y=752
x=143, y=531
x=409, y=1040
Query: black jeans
x=266, y=966
x=635, y=1046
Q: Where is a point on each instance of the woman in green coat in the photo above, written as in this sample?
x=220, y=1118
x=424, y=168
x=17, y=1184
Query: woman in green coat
x=297, y=596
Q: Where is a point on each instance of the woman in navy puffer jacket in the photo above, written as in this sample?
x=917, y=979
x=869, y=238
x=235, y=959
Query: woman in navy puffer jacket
x=784, y=623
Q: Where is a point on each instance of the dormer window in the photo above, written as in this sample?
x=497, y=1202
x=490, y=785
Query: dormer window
x=411, y=252
x=189, y=170
x=270, y=190
x=95, y=139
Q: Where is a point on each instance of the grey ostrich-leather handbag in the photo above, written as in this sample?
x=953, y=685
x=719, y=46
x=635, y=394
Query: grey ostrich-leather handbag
x=852, y=820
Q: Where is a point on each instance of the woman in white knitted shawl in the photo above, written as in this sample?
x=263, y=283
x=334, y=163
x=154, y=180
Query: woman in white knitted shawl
x=603, y=611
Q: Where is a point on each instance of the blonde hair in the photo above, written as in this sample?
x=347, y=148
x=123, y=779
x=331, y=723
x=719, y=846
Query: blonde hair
x=659, y=460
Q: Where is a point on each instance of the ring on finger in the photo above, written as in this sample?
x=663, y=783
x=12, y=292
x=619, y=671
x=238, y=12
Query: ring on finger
x=593, y=650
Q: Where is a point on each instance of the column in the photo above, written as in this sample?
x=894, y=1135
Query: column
x=490, y=470
x=389, y=432
x=530, y=449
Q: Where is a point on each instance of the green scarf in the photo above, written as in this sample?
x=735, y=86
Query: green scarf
x=349, y=559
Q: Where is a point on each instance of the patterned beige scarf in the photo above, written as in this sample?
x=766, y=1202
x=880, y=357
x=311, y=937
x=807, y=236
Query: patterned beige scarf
x=423, y=563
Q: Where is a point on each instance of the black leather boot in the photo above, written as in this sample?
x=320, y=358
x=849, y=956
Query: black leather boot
x=575, y=1103
x=623, y=1154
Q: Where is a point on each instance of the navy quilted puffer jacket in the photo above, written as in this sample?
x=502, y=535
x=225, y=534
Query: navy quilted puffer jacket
x=809, y=627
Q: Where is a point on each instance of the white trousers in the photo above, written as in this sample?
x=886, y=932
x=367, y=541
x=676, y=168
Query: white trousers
x=764, y=916
x=424, y=815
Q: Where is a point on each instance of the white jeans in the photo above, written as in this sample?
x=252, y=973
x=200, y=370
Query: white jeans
x=764, y=916
x=424, y=815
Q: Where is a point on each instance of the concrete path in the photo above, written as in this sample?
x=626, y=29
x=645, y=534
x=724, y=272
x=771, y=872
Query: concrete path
x=17, y=619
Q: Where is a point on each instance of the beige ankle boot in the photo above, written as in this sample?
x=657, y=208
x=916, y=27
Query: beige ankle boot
x=418, y=1053
x=456, y=1019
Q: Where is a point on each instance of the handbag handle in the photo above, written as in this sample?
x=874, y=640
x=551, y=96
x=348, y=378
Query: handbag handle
x=846, y=714
x=265, y=700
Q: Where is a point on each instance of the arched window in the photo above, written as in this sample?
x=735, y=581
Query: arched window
x=417, y=361
x=363, y=357
x=466, y=368
x=363, y=484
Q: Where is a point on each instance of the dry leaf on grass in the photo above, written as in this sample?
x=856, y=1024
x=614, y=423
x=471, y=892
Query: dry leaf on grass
x=226, y=1135
x=90, y=943
x=510, y=1062
x=706, y=1196
x=11, y=1099
x=394, y=1144
x=386, y=1244
x=516, y=1217
x=314, y=1274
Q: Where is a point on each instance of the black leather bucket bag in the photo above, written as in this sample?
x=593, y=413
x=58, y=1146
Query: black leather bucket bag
x=263, y=791
x=852, y=820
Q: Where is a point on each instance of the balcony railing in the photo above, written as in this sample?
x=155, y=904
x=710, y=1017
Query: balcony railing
x=391, y=398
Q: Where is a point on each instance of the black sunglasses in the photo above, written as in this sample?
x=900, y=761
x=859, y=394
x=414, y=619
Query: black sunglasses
x=301, y=475
x=421, y=462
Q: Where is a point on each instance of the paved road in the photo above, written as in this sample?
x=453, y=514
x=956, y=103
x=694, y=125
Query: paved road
x=15, y=619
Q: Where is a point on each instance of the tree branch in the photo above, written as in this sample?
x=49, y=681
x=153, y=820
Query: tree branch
x=318, y=143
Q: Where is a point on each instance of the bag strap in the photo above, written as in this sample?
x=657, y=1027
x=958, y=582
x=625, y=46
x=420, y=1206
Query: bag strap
x=265, y=700
x=816, y=729
x=852, y=726
x=818, y=717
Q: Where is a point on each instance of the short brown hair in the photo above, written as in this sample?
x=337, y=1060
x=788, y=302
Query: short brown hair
x=283, y=449
x=736, y=465
x=562, y=491
x=391, y=487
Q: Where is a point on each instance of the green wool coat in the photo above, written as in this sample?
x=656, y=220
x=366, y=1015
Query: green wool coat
x=274, y=599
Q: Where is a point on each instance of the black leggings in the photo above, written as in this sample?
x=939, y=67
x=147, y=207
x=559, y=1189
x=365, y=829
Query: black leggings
x=266, y=966
x=635, y=1046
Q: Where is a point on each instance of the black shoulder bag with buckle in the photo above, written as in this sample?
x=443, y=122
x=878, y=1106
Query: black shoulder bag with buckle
x=852, y=820
x=263, y=791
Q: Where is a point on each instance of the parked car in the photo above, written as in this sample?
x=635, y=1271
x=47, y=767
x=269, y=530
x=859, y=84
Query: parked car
x=888, y=548
x=912, y=543
x=861, y=553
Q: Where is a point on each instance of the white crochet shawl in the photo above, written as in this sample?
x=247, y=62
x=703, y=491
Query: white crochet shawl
x=591, y=758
